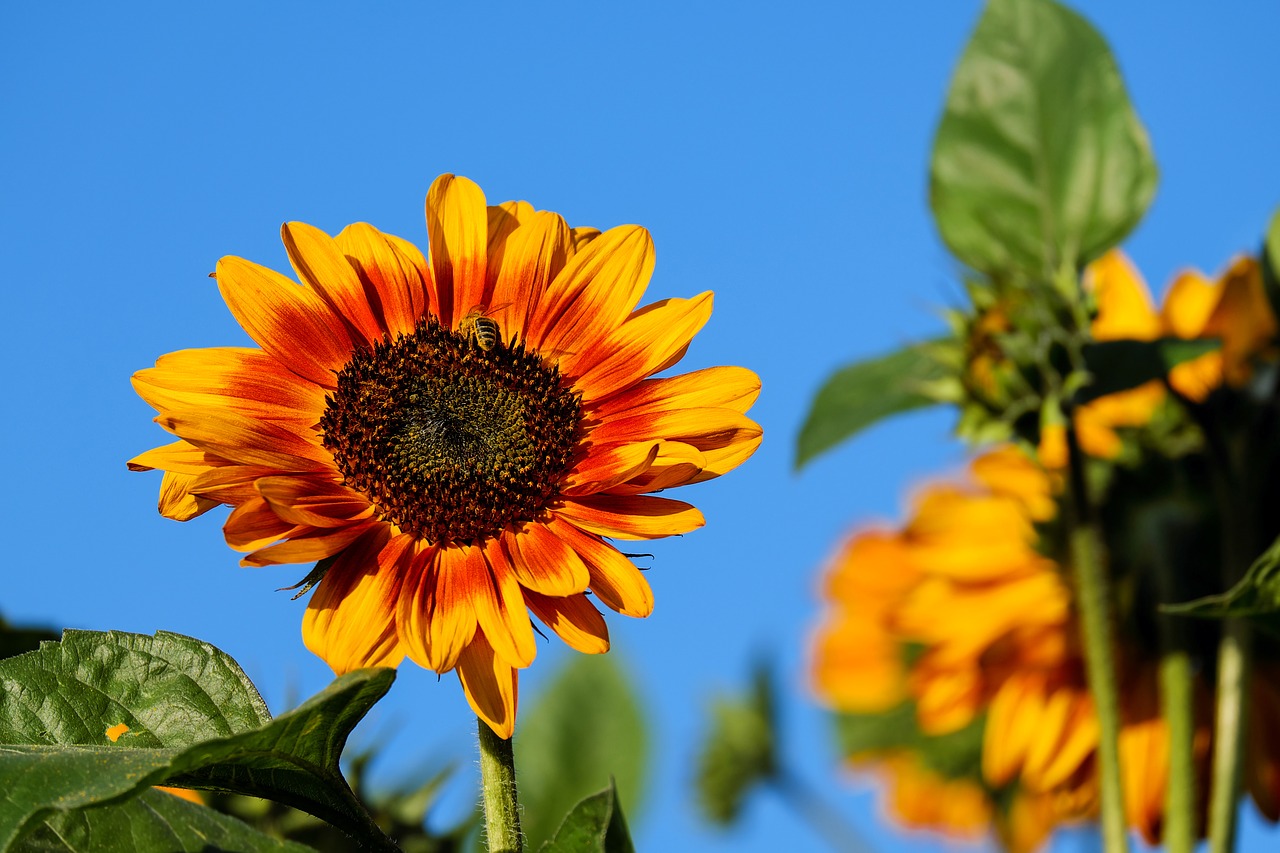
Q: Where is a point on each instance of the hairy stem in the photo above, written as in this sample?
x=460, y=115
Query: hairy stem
x=498, y=781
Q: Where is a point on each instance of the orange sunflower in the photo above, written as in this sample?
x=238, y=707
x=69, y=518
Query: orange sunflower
x=455, y=438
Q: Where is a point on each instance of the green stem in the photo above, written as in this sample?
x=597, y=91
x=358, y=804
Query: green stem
x=1088, y=562
x=825, y=820
x=1233, y=679
x=498, y=781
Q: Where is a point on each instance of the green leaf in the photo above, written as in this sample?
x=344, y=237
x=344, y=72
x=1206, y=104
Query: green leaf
x=740, y=751
x=595, y=825
x=99, y=717
x=586, y=728
x=858, y=395
x=153, y=821
x=1040, y=163
x=1121, y=365
x=1256, y=596
x=954, y=755
x=1271, y=263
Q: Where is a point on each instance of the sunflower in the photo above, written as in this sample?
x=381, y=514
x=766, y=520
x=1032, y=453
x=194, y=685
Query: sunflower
x=454, y=438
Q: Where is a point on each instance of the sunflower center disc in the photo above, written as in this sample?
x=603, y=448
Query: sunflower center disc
x=451, y=442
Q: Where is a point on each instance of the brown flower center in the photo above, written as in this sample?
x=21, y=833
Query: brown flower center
x=452, y=442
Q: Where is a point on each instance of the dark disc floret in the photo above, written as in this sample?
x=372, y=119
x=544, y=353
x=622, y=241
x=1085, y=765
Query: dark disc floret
x=451, y=442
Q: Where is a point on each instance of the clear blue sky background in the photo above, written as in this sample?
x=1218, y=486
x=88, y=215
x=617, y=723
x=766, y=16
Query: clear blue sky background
x=777, y=155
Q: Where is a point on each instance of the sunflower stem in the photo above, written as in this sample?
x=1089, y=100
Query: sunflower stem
x=1176, y=706
x=498, y=782
x=1088, y=562
x=825, y=820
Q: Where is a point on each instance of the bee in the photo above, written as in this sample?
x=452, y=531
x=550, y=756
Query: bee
x=480, y=327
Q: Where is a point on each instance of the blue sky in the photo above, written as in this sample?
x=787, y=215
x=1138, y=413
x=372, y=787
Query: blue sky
x=779, y=158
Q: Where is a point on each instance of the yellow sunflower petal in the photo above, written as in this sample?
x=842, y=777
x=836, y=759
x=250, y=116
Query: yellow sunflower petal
x=243, y=380
x=614, y=579
x=434, y=619
x=490, y=686
x=321, y=264
x=309, y=545
x=725, y=437
x=512, y=635
x=594, y=293
x=543, y=562
x=574, y=620
x=176, y=500
x=631, y=516
x=314, y=501
x=646, y=343
x=458, y=225
x=1124, y=301
x=290, y=322
x=181, y=457
x=713, y=387
x=606, y=466
x=245, y=440
x=530, y=257
x=676, y=464
x=399, y=281
x=253, y=525
x=350, y=620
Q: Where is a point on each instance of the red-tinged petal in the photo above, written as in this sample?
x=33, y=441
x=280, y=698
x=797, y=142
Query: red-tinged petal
x=631, y=516
x=231, y=484
x=713, y=387
x=725, y=437
x=490, y=686
x=247, y=381
x=176, y=500
x=458, y=225
x=314, y=501
x=507, y=626
x=309, y=546
x=574, y=620
x=290, y=322
x=350, y=620
x=246, y=441
x=594, y=293
x=395, y=279
x=614, y=580
x=530, y=258
x=543, y=562
x=603, y=467
x=677, y=464
x=320, y=263
x=253, y=525
x=651, y=340
x=435, y=619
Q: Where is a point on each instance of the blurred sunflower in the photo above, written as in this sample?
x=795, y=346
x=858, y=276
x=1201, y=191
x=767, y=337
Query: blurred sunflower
x=964, y=618
x=455, y=437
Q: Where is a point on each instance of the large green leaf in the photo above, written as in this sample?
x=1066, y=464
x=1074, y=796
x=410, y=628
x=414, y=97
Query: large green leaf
x=1040, y=163
x=586, y=728
x=1121, y=365
x=99, y=717
x=153, y=822
x=1256, y=596
x=857, y=396
x=595, y=825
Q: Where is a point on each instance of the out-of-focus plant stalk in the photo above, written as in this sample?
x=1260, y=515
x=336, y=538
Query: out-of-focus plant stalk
x=1176, y=705
x=1088, y=564
x=821, y=816
x=498, y=784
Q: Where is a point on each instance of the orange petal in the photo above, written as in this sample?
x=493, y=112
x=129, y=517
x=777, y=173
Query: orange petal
x=507, y=626
x=181, y=457
x=543, y=562
x=490, y=686
x=176, y=500
x=436, y=618
x=290, y=322
x=725, y=437
x=246, y=381
x=253, y=525
x=397, y=279
x=457, y=224
x=574, y=620
x=603, y=467
x=320, y=263
x=676, y=464
x=246, y=440
x=594, y=293
x=526, y=262
x=306, y=545
x=1124, y=301
x=614, y=579
x=713, y=387
x=650, y=340
x=631, y=516
x=350, y=620
x=313, y=501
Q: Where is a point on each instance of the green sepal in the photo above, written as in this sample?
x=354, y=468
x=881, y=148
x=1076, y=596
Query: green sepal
x=1256, y=597
x=740, y=751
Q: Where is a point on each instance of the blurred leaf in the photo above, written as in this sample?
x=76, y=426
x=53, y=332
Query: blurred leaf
x=585, y=729
x=153, y=822
x=15, y=640
x=100, y=717
x=1040, y=163
x=595, y=825
x=1271, y=263
x=857, y=396
x=740, y=752
x=1256, y=596
x=951, y=755
x=1122, y=365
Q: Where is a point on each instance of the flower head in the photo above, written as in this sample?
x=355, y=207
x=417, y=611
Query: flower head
x=455, y=438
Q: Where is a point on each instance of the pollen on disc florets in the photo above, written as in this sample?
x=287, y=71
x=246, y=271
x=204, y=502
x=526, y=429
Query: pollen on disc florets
x=451, y=442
